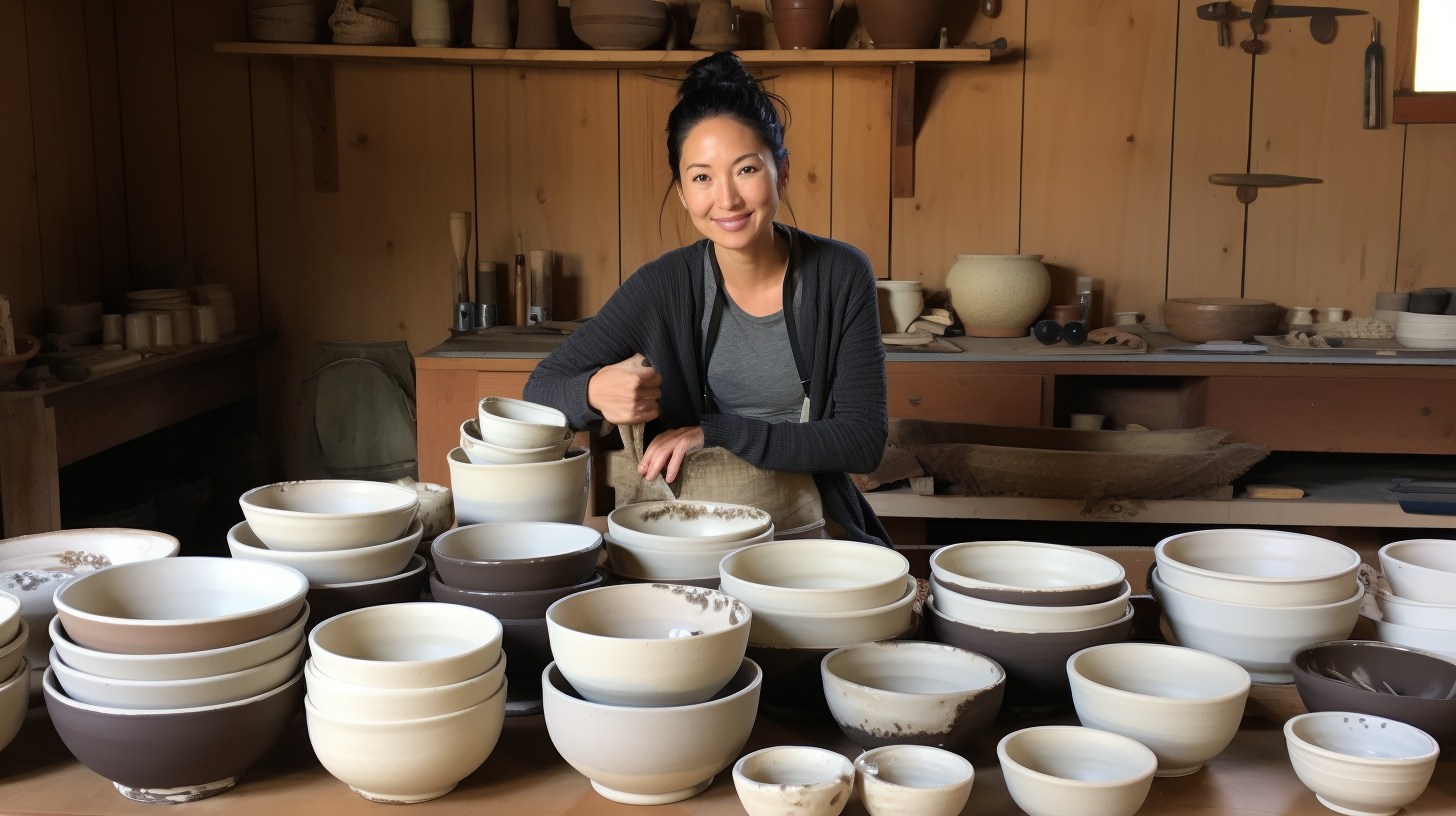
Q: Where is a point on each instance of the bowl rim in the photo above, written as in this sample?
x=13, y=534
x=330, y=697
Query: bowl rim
x=1160, y=557
x=377, y=725
x=624, y=510
x=811, y=592
x=809, y=787
x=294, y=654
x=978, y=583
x=415, y=530
x=1388, y=762
x=410, y=568
x=949, y=756
x=912, y=591
x=465, y=530
x=174, y=546
x=448, y=608
x=1387, y=552
x=915, y=645
x=1298, y=659
x=1157, y=585
x=534, y=406
x=21, y=671
x=930, y=604
x=1074, y=675
x=570, y=455
x=1382, y=597
x=1407, y=627
x=64, y=606
x=21, y=639
x=476, y=439
x=550, y=616
x=1079, y=731
x=593, y=583
x=248, y=502
x=698, y=549
x=999, y=606
x=51, y=688
x=57, y=631
x=309, y=669
x=751, y=687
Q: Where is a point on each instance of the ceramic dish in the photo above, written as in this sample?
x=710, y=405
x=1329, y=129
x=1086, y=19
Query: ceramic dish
x=513, y=423
x=516, y=556
x=329, y=600
x=830, y=630
x=1184, y=705
x=815, y=576
x=913, y=780
x=793, y=684
x=1017, y=618
x=1062, y=770
x=1360, y=764
x=91, y=689
x=1027, y=573
x=77, y=551
x=651, y=756
x=614, y=577
x=1438, y=641
x=328, y=514
x=407, y=645
x=14, y=702
x=1205, y=319
x=12, y=653
x=352, y=701
x=669, y=565
x=10, y=620
x=175, y=605
x=508, y=605
x=662, y=525
x=648, y=644
x=1422, y=570
x=36, y=590
x=481, y=452
x=1383, y=679
x=544, y=491
x=793, y=780
x=1258, y=567
x=331, y=566
x=1414, y=613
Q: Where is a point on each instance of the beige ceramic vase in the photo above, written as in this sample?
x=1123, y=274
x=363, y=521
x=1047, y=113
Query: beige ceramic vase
x=998, y=295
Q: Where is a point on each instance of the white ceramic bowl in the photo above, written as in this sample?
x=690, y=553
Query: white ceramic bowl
x=1358, y=763
x=78, y=551
x=1425, y=331
x=1406, y=612
x=1015, y=618
x=1063, y=770
x=14, y=702
x=793, y=780
x=675, y=564
x=331, y=566
x=513, y=423
x=544, y=491
x=651, y=756
x=405, y=761
x=831, y=630
x=664, y=525
x=913, y=780
x=815, y=576
x=1261, y=639
x=91, y=689
x=9, y=620
x=183, y=666
x=328, y=514
x=481, y=452
x=648, y=644
x=36, y=590
x=1440, y=641
x=1045, y=573
x=1258, y=567
x=1421, y=569
x=12, y=653
x=352, y=701
x=406, y=645
x=1184, y=705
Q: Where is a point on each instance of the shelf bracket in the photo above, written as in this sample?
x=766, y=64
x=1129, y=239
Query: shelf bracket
x=902, y=131
x=1247, y=184
x=313, y=84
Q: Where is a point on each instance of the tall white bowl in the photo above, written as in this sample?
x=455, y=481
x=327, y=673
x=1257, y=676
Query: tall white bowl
x=1061, y=770
x=84, y=687
x=513, y=423
x=1440, y=641
x=1258, y=567
x=663, y=525
x=331, y=566
x=543, y=491
x=1018, y=618
x=328, y=514
x=815, y=576
x=1360, y=764
x=1421, y=569
x=831, y=630
x=482, y=452
x=407, y=645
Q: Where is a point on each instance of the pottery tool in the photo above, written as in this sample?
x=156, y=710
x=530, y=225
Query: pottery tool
x=486, y=277
x=1322, y=20
x=539, y=309
x=1374, y=79
x=460, y=240
x=520, y=282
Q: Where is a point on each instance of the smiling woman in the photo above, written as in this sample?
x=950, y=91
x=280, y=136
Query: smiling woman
x=760, y=340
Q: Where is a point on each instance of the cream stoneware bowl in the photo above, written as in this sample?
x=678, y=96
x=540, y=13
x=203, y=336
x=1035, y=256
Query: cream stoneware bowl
x=793, y=780
x=1406, y=612
x=1440, y=641
x=513, y=423
x=648, y=644
x=84, y=687
x=815, y=576
x=1359, y=764
x=484, y=453
x=1261, y=639
x=352, y=701
x=1018, y=618
x=1027, y=573
x=406, y=645
x=14, y=702
x=329, y=514
x=84, y=550
x=913, y=780
x=331, y=566
x=1258, y=567
x=1422, y=569
x=173, y=605
x=10, y=619
x=12, y=653
x=543, y=491
x=1062, y=770
x=830, y=630
x=661, y=525
x=651, y=756
x=667, y=565
x=516, y=556
x=1182, y=704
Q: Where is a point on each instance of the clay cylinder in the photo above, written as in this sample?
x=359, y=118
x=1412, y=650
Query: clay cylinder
x=162, y=329
x=113, y=330
x=204, y=324
x=490, y=24
x=181, y=326
x=430, y=23
x=138, y=331
x=536, y=27
x=802, y=23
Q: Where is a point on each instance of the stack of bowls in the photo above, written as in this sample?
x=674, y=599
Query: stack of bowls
x=405, y=700
x=1360, y=765
x=515, y=463
x=1383, y=679
x=14, y=669
x=171, y=677
x=650, y=695
x=681, y=541
x=1420, y=611
x=1425, y=331
x=1029, y=606
x=515, y=570
x=1256, y=596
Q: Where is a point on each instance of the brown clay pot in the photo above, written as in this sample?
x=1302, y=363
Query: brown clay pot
x=536, y=27
x=902, y=23
x=802, y=23
x=619, y=25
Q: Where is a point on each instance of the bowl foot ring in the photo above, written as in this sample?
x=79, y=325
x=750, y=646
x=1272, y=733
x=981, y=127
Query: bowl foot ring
x=1169, y=773
x=176, y=796
x=1351, y=811
x=401, y=799
x=651, y=798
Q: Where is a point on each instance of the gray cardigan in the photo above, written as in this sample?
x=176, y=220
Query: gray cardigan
x=658, y=312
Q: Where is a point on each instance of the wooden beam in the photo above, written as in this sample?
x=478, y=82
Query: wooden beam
x=30, y=487
x=1423, y=108
x=902, y=131
x=313, y=83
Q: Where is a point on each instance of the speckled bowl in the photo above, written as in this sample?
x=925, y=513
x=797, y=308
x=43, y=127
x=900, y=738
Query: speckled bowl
x=664, y=525
x=1415, y=687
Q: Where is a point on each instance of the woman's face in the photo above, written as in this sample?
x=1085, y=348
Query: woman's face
x=729, y=183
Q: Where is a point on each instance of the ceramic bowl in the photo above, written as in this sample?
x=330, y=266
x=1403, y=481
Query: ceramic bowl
x=77, y=551
x=1063, y=770
x=1258, y=567
x=36, y=590
x=352, y=701
x=1422, y=569
x=182, y=666
x=149, y=755
x=329, y=514
x=1182, y=704
x=480, y=452
x=175, y=605
x=508, y=605
x=331, y=566
x=1438, y=641
x=403, y=761
x=1205, y=319
x=1406, y=612
x=1027, y=573
x=84, y=687
x=913, y=780
x=1018, y=618
x=793, y=780
x=1035, y=662
x=516, y=556
x=1358, y=763
x=12, y=653
x=648, y=644
x=330, y=600
x=1261, y=639
x=528, y=645
x=815, y=576
x=619, y=25
x=891, y=693
x=830, y=630
x=1383, y=679
x=545, y=491
x=653, y=755
x=670, y=565
x=407, y=645
x=613, y=577
x=663, y=525
x=10, y=621
x=793, y=682
x=513, y=423
x=14, y=702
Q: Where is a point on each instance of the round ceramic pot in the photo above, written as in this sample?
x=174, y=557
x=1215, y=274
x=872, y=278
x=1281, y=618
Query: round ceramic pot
x=902, y=23
x=997, y=295
x=619, y=25
x=802, y=23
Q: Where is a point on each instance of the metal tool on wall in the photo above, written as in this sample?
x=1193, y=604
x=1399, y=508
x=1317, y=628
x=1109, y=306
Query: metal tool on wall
x=1247, y=184
x=486, y=277
x=539, y=308
x=464, y=319
x=1322, y=24
x=1374, y=80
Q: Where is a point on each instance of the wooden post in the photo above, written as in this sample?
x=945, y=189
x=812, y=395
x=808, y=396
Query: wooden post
x=30, y=487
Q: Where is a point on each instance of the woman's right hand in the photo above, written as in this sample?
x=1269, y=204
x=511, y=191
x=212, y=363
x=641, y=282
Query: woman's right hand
x=626, y=393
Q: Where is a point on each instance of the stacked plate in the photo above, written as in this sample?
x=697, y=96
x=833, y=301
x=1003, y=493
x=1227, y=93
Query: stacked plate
x=220, y=297
x=1426, y=331
x=681, y=541
x=14, y=669
x=159, y=300
x=515, y=463
x=1420, y=611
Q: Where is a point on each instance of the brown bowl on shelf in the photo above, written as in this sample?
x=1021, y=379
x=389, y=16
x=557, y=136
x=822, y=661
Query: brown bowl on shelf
x=619, y=25
x=1205, y=319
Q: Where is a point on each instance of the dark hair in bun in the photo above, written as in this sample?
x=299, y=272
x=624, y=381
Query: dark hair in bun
x=721, y=86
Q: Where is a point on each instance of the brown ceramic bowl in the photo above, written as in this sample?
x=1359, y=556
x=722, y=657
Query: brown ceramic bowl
x=329, y=600
x=1424, y=684
x=517, y=556
x=792, y=684
x=619, y=25
x=148, y=752
x=512, y=605
x=613, y=577
x=1035, y=662
x=1201, y=320
x=528, y=648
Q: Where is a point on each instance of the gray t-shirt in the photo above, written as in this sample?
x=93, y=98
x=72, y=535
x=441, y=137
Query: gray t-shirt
x=751, y=371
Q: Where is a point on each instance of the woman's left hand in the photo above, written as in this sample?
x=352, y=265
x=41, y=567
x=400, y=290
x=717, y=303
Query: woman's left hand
x=667, y=451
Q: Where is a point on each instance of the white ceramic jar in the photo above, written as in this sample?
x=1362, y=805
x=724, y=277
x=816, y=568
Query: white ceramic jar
x=998, y=295
x=902, y=300
x=430, y=23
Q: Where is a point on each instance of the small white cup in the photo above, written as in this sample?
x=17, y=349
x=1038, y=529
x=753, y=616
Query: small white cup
x=161, y=329
x=1334, y=315
x=138, y=331
x=181, y=326
x=1088, y=422
x=113, y=330
x=204, y=324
